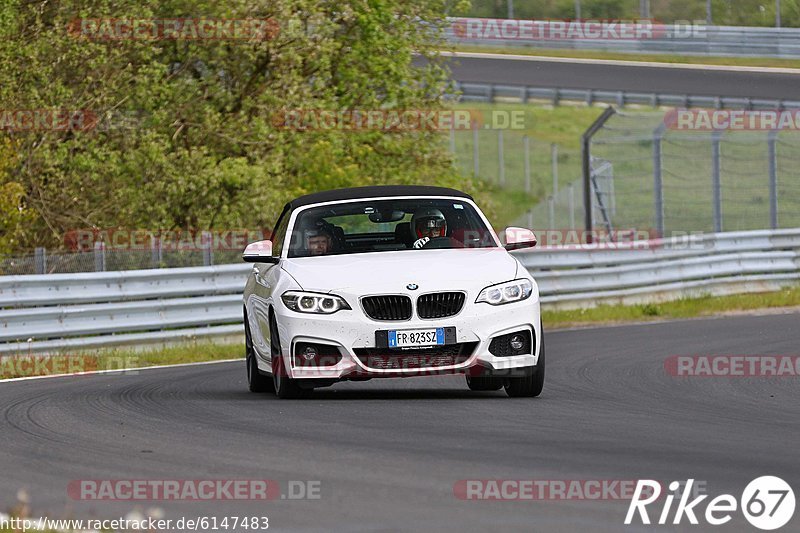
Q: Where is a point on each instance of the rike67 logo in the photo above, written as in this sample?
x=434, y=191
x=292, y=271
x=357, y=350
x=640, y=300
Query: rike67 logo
x=767, y=502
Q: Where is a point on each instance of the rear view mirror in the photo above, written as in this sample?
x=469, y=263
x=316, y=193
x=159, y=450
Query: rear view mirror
x=518, y=238
x=259, y=252
x=386, y=216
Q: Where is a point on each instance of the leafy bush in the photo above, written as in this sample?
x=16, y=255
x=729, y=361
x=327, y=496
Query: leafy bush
x=186, y=136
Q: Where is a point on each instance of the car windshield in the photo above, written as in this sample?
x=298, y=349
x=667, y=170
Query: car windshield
x=388, y=225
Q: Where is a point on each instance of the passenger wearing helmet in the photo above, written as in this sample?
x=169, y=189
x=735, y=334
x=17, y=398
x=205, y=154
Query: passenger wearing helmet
x=428, y=224
x=318, y=241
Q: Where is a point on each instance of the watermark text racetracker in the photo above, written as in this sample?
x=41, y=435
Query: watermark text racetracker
x=707, y=120
x=399, y=120
x=619, y=239
x=229, y=239
x=47, y=119
x=584, y=29
x=29, y=365
x=732, y=366
x=544, y=489
x=92, y=525
x=193, y=489
x=175, y=29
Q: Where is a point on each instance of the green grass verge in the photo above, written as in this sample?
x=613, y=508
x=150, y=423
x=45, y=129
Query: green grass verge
x=684, y=308
x=622, y=56
x=114, y=359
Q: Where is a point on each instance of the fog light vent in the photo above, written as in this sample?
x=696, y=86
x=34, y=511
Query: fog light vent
x=517, y=343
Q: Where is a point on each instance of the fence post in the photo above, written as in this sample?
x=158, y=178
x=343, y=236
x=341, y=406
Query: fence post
x=716, y=183
x=551, y=212
x=453, y=141
x=586, y=155
x=40, y=260
x=571, y=206
x=475, y=157
x=530, y=218
x=773, y=178
x=658, y=184
x=500, y=158
x=155, y=251
x=205, y=238
x=99, y=256
x=554, y=164
x=526, y=142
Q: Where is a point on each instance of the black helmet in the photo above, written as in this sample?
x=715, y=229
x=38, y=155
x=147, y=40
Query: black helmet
x=426, y=219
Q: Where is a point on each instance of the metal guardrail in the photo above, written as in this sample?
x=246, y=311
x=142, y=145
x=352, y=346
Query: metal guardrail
x=86, y=311
x=483, y=92
x=698, y=40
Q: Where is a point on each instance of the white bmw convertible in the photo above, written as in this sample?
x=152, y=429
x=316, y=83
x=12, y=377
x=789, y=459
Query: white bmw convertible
x=390, y=281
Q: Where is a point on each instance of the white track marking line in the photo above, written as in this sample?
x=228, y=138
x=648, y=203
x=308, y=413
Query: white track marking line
x=622, y=63
x=129, y=370
x=657, y=322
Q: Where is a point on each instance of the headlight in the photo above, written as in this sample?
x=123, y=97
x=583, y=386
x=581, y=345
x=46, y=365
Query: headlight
x=503, y=293
x=309, y=302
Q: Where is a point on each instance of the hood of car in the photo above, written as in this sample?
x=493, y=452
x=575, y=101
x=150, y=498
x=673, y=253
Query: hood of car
x=396, y=271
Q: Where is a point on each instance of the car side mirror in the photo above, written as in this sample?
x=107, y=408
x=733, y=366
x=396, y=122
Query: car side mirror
x=259, y=252
x=518, y=238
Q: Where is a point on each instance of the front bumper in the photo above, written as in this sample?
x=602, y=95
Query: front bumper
x=350, y=330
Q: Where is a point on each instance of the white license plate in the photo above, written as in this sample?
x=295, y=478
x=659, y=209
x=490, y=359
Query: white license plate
x=416, y=337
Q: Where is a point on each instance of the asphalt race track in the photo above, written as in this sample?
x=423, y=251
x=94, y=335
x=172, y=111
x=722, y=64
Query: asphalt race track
x=387, y=453
x=633, y=78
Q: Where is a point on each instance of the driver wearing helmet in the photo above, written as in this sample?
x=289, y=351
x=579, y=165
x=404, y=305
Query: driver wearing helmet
x=428, y=224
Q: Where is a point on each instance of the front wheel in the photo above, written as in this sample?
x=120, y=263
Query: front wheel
x=531, y=385
x=484, y=383
x=256, y=381
x=285, y=387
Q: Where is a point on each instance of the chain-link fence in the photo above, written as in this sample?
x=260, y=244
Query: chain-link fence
x=102, y=259
x=523, y=169
x=653, y=172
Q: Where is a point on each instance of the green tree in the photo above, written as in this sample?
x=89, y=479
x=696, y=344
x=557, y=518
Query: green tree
x=186, y=137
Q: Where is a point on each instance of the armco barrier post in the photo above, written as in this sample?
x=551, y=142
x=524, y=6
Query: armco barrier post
x=586, y=155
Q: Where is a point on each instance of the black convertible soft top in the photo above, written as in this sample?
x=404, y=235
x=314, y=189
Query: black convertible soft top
x=374, y=191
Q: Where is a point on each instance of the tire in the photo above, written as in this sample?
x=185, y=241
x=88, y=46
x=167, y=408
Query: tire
x=484, y=383
x=285, y=387
x=256, y=381
x=531, y=385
